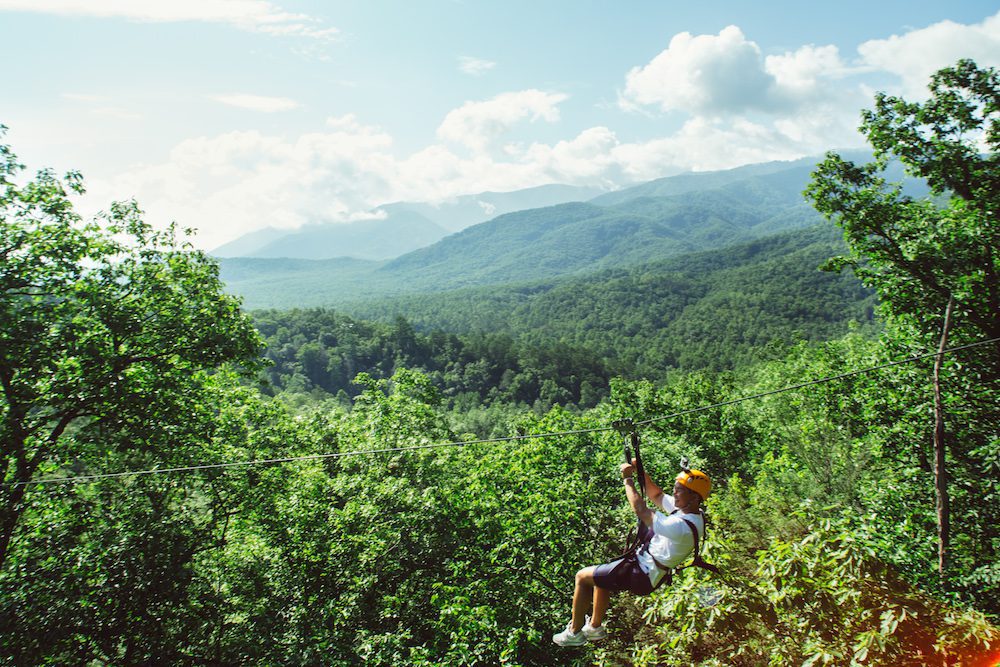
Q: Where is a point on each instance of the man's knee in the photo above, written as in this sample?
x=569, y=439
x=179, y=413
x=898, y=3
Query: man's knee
x=585, y=576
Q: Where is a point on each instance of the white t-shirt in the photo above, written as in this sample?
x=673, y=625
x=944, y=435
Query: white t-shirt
x=672, y=541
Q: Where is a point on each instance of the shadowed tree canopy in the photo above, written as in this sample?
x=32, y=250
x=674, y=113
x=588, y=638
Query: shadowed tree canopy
x=108, y=329
x=935, y=267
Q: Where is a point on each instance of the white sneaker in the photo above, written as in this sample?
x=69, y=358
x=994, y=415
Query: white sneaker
x=569, y=638
x=593, y=634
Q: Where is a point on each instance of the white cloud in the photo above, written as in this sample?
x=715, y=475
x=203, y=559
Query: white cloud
x=475, y=66
x=806, y=71
x=726, y=75
x=587, y=159
x=257, y=102
x=917, y=54
x=476, y=125
x=741, y=107
x=704, y=74
x=238, y=182
x=597, y=157
x=253, y=15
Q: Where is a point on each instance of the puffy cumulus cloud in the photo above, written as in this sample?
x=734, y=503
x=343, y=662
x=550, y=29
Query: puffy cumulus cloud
x=726, y=75
x=704, y=144
x=476, y=125
x=238, y=182
x=587, y=159
x=917, y=54
x=256, y=102
x=805, y=74
x=703, y=74
x=253, y=15
x=437, y=173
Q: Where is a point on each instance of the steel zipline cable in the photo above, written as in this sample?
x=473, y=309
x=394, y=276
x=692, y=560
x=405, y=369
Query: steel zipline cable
x=290, y=459
x=464, y=443
x=802, y=385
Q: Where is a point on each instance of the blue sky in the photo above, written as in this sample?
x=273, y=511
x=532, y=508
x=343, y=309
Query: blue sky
x=233, y=115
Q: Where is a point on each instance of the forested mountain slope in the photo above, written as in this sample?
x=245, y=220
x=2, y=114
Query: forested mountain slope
x=714, y=309
x=562, y=341
x=581, y=237
x=637, y=226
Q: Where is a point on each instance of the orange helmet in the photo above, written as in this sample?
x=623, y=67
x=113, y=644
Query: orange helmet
x=697, y=481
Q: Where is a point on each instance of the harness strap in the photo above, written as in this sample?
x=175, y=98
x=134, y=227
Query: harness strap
x=644, y=546
x=698, y=561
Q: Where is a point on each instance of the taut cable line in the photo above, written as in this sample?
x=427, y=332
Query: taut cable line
x=832, y=378
x=290, y=459
x=464, y=443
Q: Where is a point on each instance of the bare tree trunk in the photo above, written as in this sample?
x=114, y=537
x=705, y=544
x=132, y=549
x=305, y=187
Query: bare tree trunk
x=940, y=474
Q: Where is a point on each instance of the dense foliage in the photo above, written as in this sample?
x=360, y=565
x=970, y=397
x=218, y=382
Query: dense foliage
x=381, y=531
x=107, y=328
x=717, y=310
x=320, y=352
x=465, y=555
x=937, y=272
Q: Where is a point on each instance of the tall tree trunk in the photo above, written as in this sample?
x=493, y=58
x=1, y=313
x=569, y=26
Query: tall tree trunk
x=940, y=473
x=10, y=514
x=12, y=496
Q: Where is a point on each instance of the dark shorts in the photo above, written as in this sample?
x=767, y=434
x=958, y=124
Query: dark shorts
x=623, y=574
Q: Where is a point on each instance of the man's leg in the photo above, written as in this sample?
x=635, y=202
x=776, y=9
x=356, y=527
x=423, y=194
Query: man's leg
x=581, y=596
x=602, y=597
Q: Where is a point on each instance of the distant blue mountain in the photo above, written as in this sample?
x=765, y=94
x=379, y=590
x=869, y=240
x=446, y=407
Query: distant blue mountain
x=248, y=244
x=400, y=228
x=647, y=223
x=633, y=226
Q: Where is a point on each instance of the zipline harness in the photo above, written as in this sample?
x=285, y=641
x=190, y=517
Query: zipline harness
x=639, y=541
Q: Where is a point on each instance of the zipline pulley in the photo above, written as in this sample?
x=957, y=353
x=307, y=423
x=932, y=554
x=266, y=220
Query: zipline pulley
x=631, y=434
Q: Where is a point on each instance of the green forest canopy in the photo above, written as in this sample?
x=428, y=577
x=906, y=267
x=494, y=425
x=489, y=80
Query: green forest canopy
x=122, y=352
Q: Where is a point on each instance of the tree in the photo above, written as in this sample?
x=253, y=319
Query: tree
x=933, y=262
x=108, y=329
x=915, y=253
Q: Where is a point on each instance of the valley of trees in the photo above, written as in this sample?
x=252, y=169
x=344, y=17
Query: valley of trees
x=310, y=487
x=316, y=355
x=716, y=310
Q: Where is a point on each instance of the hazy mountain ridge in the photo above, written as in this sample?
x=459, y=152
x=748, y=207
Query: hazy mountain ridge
x=633, y=227
x=580, y=237
x=398, y=228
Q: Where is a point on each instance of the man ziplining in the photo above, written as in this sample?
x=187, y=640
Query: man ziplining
x=665, y=541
